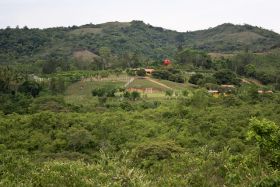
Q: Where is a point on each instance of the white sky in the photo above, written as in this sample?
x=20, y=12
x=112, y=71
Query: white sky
x=180, y=15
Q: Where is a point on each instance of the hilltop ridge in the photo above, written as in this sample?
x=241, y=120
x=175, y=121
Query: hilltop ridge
x=131, y=37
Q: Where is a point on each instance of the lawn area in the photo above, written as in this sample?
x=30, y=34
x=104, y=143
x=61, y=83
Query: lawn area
x=85, y=88
x=79, y=93
x=144, y=83
x=174, y=85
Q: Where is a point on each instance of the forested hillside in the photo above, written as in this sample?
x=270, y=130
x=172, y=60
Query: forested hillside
x=25, y=45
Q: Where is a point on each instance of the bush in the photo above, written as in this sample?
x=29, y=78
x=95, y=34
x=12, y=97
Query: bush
x=4, y=87
x=134, y=95
x=18, y=103
x=169, y=93
x=266, y=134
x=147, y=105
x=30, y=87
x=126, y=106
x=185, y=93
x=226, y=77
x=51, y=103
x=156, y=150
x=170, y=74
x=141, y=73
x=194, y=79
x=106, y=91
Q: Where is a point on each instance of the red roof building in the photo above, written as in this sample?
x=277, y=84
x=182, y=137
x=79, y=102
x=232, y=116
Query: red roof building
x=166, y=62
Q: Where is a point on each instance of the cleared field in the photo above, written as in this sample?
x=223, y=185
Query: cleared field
x=85, y=55
x=145, y=83
x=174, y=85
x=85, y=88
x=79, y=93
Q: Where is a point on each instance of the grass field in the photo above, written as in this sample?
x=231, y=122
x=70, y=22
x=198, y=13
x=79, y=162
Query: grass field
x=174, y=85
x=85, y=88
x=79, y=93
x=144, y=83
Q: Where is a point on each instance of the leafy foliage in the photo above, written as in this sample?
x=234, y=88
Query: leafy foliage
x=31, y=88
x=169, y=74
x=49, y=137
x=267, y=135
x=226, y=77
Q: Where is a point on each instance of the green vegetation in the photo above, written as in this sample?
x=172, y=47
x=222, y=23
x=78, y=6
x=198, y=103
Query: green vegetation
x=125, y=44
x=77, y=108
x=193, y=140
x=169, y=74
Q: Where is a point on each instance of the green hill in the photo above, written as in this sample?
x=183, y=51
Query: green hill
x=233, y=38
x=27, y=45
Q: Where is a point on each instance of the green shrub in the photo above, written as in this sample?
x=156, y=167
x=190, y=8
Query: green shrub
x=156, y=150
x=104, y=92
x=30, y=87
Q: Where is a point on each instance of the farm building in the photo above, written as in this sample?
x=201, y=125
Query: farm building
x=143, y=90
x=149, y=71
x=214, y=92
x=265, y=92
x=227, y=86
x=167, y=62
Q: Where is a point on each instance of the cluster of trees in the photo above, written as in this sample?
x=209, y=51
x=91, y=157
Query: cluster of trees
x=19, y=91
x=262, y=67
x=195, y=58
x=223, y=76
x=103, y=93
x=170, y=74
x=132, y=95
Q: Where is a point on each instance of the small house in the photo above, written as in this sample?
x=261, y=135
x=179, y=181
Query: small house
x=265, y=92
x=227, y=88
x=215, y=93
x=149, y=71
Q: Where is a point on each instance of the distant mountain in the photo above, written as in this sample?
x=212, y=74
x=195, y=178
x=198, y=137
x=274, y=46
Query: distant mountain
x=231, y=38
x=133, y=37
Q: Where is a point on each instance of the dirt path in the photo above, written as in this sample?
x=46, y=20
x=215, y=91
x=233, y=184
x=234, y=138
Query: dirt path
x=129, y=82
x=256, y=82
x=245, y=81
x=251, y=81
x=161, y=84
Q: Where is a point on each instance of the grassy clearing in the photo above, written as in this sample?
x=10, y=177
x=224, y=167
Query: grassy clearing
x=79, y=93
x=85, y=55
x=85, y=88
x=144, y=83
x=174, y=85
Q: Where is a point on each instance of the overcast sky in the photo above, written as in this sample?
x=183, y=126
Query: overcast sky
x=180, y=15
